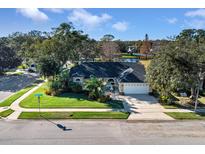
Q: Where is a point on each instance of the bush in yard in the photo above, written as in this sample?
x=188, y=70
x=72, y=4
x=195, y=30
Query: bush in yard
x=164, y=99
x=75, y=87
x=23, y=66
x=95, y=88
x=104, y=98
x=53, y=87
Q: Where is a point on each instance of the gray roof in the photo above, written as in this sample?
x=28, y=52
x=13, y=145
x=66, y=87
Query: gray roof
x=109, y=70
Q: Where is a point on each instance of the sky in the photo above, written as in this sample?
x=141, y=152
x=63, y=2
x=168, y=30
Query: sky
x=124, y=24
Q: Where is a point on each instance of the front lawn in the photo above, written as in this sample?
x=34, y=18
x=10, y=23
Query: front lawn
x=74, y=115
x=186, y=115
x=202, y=100
x=6, y=113
x=66, y=100
x=12, y=98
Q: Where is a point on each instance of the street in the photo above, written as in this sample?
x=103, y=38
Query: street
x=10, y=84
x=101, y=132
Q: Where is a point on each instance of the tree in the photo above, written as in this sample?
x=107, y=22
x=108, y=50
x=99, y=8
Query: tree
x=23, y=43
x=8, y=56
x=71, y=41
x=177, y=64
x=49, y=57
x=109, y=50
x=89, y=49
x=95, y=87
x=48, y=67
x=107, y=37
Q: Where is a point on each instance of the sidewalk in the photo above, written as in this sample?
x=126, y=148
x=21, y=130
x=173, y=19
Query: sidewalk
x=15, y=106
x=139, y=109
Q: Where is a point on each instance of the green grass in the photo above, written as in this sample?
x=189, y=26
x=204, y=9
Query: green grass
x=66, y=100
x=202, y=100
x=74, y=115
x=186, y=115
x=15, y=96
x=6, y=113
x=170, y=106
x=174, y=106
x=130, y=56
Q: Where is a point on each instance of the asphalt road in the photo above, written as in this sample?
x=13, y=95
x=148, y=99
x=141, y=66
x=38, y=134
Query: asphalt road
x=101, y=132
x=9, y=84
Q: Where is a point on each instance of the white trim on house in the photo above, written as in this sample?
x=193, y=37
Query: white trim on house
x=78, y=80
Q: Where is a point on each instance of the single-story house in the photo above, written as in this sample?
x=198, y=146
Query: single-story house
x=124, y=77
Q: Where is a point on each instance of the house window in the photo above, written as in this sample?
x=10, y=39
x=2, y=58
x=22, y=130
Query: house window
x=77, y=80
x=111, y=81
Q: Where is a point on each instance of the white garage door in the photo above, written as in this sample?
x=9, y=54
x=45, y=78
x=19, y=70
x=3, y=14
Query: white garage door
x=136, y=88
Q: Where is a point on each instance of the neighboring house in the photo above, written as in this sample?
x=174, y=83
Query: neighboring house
x=125, y=78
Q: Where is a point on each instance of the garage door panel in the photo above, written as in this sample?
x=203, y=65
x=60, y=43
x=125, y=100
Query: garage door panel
x=136, y=88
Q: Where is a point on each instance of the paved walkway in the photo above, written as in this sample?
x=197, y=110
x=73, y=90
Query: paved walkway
x=141, y=108
x=15, y=106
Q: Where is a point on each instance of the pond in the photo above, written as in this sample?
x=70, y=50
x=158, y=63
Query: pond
x=132, y=60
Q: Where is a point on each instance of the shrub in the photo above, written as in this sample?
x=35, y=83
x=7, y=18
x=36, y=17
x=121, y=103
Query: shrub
x=104, y=98
x=75, y=87
x=53, y=88
x=168, y=99
x=164, y=99
x=47, y=92
x=23, y=66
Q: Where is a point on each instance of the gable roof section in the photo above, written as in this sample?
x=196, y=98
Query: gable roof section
x=109, y=70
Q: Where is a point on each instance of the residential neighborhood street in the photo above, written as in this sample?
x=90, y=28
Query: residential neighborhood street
x=101, y=132
x=10, y=84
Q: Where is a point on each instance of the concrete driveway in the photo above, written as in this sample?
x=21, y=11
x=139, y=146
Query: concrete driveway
x=143, y=107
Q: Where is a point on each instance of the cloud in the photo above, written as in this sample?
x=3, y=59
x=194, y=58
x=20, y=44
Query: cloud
x=33, y=13
x=172, y=20
x=86, y=19
x=120, y=26
x=196, y=23
x=57, y=10
x=196, y=13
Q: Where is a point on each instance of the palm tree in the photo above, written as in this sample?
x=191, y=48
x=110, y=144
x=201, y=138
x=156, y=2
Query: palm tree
x=95, y=87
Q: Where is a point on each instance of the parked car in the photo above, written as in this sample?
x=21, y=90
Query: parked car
x=32, y=68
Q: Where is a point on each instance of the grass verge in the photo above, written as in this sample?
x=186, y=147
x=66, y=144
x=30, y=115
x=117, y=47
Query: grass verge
x=186, y=115
x=66, y=100
x=74, y=115
x=6, y=113
x=15, y=96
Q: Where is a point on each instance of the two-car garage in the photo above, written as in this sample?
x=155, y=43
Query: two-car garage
x=134, y=88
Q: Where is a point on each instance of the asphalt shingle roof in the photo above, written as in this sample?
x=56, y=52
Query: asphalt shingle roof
x=109, y=70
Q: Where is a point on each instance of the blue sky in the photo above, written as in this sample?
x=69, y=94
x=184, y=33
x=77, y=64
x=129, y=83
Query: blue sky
x=124, y=24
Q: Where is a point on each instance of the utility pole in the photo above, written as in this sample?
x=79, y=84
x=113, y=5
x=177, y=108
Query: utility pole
x=200, y=80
